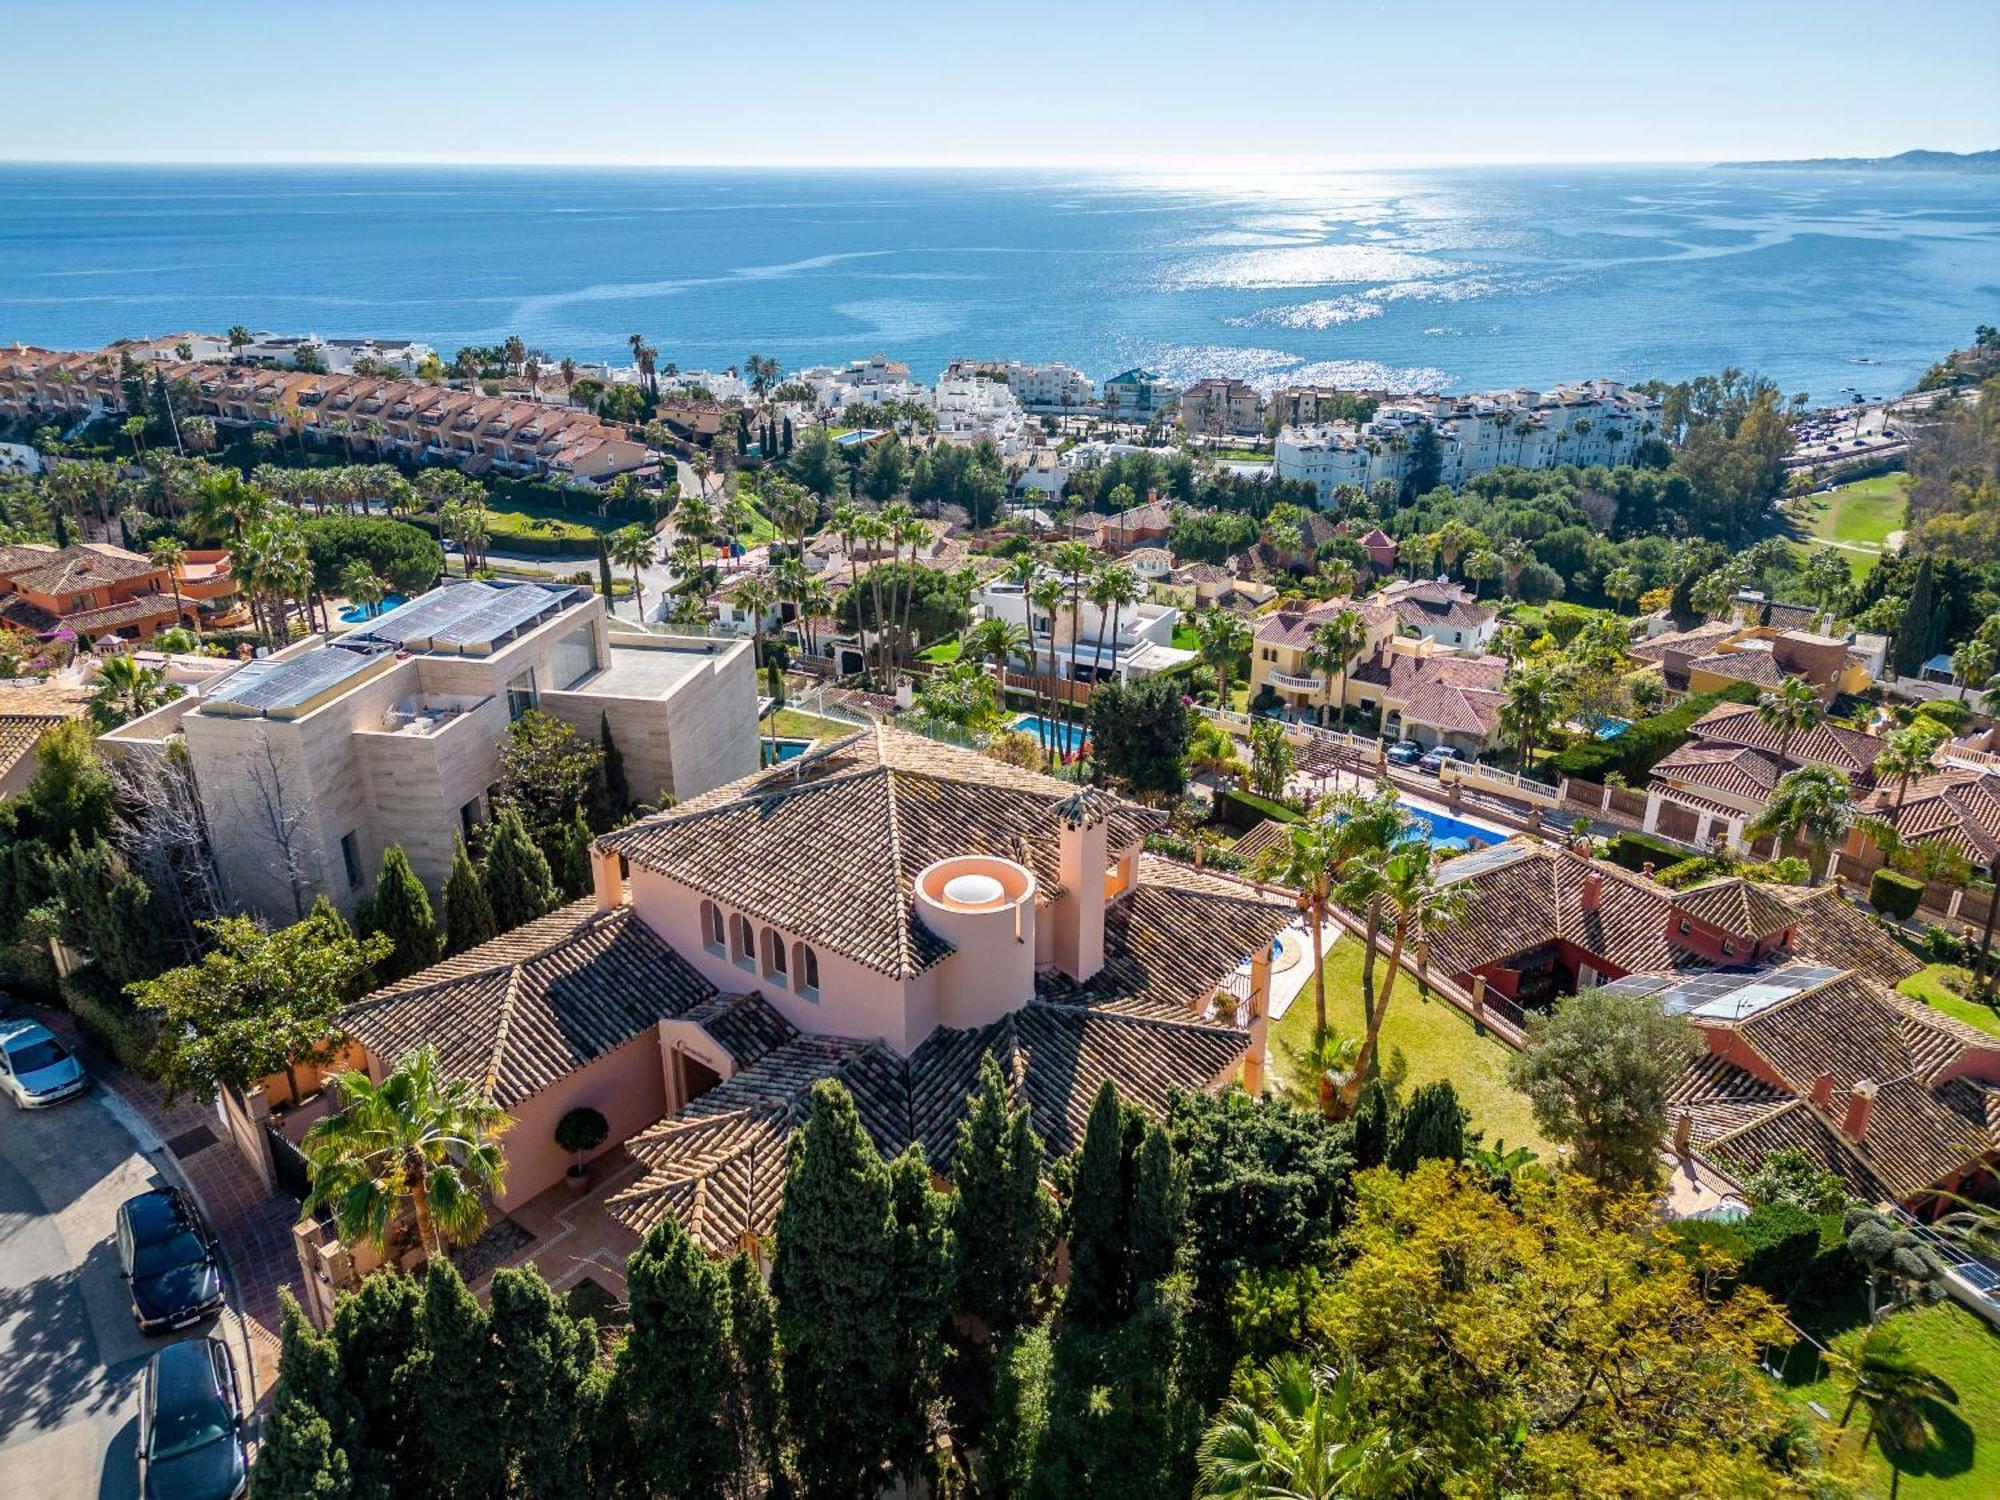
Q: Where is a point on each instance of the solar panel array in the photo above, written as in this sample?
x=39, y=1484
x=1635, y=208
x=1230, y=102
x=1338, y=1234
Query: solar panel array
x=268, y=686
x=1723, y=994
x=1484, y=861
x=469, y=618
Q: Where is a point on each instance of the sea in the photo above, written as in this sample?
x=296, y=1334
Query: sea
x=1833, y=283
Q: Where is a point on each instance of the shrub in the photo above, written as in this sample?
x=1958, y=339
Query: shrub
x=1243, y=810
x=109, y=1020
x=1690, y=871
x=1636, y=850
x=396, y=550
x=581, y=1130
x=1790, y=870
x=1781, y=1242
x=1949, y=712
x=1894, y=894
x=1942, y=945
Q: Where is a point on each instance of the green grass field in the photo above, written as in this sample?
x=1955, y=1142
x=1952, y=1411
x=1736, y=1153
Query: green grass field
x=1940, y=986
x=1186, y=638
x=1860, y=517
x=790, y=724
x=1422, y=1039
x=1955, y=1464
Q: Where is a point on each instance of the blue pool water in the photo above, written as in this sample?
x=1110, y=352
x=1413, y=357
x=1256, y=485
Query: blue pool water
x=1069, y=739
x=360, y=614
x=1610, y=729
x=777, y=750
x=1446, y=832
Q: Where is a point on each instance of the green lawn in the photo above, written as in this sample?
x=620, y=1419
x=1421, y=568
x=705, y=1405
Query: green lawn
x=943, y=653
x=549, y=525
x=1423, y=1039
x=1186, y=637
x=790, y=724
x=1242, y=455
x=1956, y=1465
x=1942, y=986
x=1860, y=516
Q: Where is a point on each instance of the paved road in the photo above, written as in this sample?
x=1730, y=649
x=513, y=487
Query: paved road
x=70, y=1358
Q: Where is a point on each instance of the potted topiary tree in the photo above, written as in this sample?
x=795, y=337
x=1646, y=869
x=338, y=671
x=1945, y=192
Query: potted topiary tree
x=579, y=1131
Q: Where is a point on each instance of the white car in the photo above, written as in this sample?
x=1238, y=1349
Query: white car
x=36, y=1069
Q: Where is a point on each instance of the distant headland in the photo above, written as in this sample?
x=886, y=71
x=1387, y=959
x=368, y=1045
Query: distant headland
x=1907, y=161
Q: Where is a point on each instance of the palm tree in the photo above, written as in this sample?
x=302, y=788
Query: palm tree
x=1223, y=637
x=1410, y=884
x=1298, y=1432
x=1972, y=662
x=414, y=1137
x=1897, y=1387
x=1811, y=803
x=1622, y=584
x=632, y=547
x=993, y=640
x=1530, y=709
x=170, y=554
x=1075, y=561
x=756, y=596
x=1451, y=541
x=1514, y=559
x=1333, y=646
x=1308, y=862
x=1907, y=755
x=1482, y=567
x=1045, y=594
x=125, y=690
x=363, y=586
x=1789, y=708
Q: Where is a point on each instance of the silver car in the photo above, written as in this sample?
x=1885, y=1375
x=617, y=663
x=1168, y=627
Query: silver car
x=36, y=1069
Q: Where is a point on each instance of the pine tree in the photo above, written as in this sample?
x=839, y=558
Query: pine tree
x=1097, y=1288
x=401, y=908
x=544, y=1360
x=1002, y=1221
x=1370, y=1122
x=669, y=1383
x=516, y=875
x=756, y=1393
x=617, y=791
x=832, y=1282
x=572, y=864
x=457, y=1392
x=1431, y=1124
x=377, y=1336
x=302, y=1452
x=468, y=915
x=920, y=1272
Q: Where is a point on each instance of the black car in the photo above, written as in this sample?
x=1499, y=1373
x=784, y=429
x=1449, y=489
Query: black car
x=168, y=1261
x=190, y=1425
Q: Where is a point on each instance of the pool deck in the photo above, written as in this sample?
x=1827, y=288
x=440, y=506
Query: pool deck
x=1309, y=787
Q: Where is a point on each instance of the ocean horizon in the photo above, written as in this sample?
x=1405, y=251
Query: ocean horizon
x=1830, y=282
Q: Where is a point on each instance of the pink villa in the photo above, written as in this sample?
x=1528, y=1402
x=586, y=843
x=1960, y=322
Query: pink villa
x=886, y=910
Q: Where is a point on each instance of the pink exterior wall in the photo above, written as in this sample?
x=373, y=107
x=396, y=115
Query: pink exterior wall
x=1693, y=933
x=626, y=1086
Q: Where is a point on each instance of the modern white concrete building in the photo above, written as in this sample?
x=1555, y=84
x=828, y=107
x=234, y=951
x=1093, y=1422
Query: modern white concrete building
x=309, y=763
x=1050, y=387
x=1141, y=645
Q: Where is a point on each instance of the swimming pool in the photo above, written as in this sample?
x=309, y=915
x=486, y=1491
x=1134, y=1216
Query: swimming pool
x=1068, y=739
x=777, y=750
x=360, y=614
x=1446, y=832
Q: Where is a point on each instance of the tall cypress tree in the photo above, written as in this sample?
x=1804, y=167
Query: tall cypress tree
x=1432, y=1124
x=572, y=867
x=756, y=1395
x=604, y=570
x=544, y=1361
x=1370, y=1124
x=1916, y=633
x=832, y=1281
x=671, y=1376
x=617, y=791
x=1159, y=1213
x=1097, y=1219
x=457, y=1392
x=920, y=1272
x=377, y=1334
x=516, y=875
x=1002, y=1221
x=401, y=908
x=303, y=1449
x=468, y=915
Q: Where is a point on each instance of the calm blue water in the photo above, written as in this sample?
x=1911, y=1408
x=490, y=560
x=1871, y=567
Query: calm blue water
x=1450, y=279
x=1066, y=738
x=1447, y=832
x=355, y=614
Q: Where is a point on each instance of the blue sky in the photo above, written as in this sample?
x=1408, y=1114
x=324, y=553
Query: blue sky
x=1161, y=83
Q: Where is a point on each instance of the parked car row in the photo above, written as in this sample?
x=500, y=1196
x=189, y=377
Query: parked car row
x=190, y=1417
x=1410, y=753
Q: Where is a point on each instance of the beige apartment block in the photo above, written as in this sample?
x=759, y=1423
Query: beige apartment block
x=311, y=762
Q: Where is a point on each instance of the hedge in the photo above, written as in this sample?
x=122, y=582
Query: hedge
x=1645, y=740
x=1895, y=894
x=109, y=1020
x=1243, y=810
x=1781, y=1241
x=1635, y=851
x=1690, y=871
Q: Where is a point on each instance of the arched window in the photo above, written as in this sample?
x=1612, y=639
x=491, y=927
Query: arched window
x=711, y=929
x=805, y=965
x=744, y=947
x=775, y=967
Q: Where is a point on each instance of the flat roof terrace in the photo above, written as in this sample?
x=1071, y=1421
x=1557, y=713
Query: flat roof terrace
x=652, y=666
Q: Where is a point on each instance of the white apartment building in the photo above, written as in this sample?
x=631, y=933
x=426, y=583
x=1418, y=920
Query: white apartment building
x=1589, y=422
x=970, y=407
x=1139, y=394
x=1050, y=387
x=310, y=762
x=338, y=355
x=1142, y=645
x=871, y=382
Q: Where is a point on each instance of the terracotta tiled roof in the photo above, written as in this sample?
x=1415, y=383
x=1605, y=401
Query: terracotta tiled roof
x=533, y=1005
x=829, y=846
x=1959, y=807
x=1737, y=906
x=1687, y=643
x=1456, y=710
x=1831, y=931
x=29, y=713
x=81, y=565
x=126, y=612
x=1824, y=744
x=1721, y=1097
x=1735, y=769
x=1758, y=667
x=744, y=1026
x=1295, y=627
x=1435, y=602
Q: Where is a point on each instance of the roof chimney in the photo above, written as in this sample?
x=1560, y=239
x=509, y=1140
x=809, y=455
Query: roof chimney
x=1822, y=1091
x=1592, y=895
x=1860, y=1107
x=1683, y=1132
x=1079, y=913
x=1646, y=869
